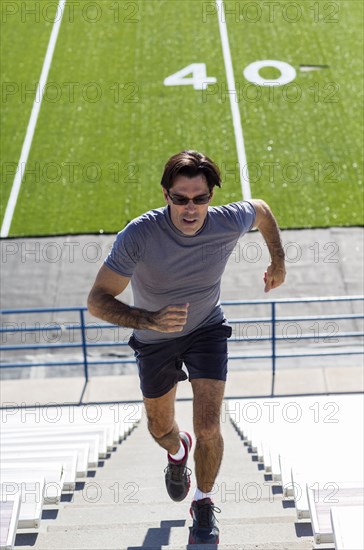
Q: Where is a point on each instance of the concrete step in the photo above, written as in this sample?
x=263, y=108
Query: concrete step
x=170, y=534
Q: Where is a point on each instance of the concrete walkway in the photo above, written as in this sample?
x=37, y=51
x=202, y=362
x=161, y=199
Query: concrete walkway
x=250, y=383
x=59, y=271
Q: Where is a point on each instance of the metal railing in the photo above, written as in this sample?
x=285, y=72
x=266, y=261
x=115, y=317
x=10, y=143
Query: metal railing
x=268, y=333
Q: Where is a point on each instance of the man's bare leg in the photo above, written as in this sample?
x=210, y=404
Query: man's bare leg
x=207, y=399
x=161, y=422
x=164, y=429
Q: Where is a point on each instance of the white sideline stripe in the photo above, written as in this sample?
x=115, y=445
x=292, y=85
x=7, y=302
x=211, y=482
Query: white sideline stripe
x=239, y=138
x=9, y=212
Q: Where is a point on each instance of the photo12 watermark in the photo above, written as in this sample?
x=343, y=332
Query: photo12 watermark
x=272, y=411
x=72, y=172
x=71, y=92
x=44, y=251
x=271, y=11
x=282, y=89
x=254, y=252
x=53, y=413
x=287, y=173
x=88, y=12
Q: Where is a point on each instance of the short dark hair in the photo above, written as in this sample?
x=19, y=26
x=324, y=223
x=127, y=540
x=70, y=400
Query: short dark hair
x=190, y=164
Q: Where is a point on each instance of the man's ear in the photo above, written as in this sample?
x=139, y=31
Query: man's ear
x=165, y=194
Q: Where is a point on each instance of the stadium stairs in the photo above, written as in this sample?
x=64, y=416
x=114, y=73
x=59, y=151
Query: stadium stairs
x=117, y=499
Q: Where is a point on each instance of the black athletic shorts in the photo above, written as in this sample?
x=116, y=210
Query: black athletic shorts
x=203, y=351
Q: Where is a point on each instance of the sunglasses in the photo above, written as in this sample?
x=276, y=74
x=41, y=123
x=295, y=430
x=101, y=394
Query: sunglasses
x=181, y=200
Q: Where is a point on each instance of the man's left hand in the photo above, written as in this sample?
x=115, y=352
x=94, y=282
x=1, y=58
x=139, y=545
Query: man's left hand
x=274, y=276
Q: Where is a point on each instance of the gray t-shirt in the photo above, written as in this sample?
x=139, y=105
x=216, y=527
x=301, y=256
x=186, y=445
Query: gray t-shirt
x=167, y=267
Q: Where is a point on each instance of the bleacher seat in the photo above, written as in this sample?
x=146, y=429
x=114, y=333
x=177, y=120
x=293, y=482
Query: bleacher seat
x=324, y=497
x=44, y=451
x=32, y=451
x=53, y=480
x=95, y=437
x=347, y=526
x=10, y=508
x=69, y=460
x=325, y=475
x=306, y=443
x=63, y=470
x=31, y=501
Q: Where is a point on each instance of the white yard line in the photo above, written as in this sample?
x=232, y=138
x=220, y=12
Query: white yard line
x=9, y=212
x=239, y=138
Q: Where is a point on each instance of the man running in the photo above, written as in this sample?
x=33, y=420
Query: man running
x=174, y=257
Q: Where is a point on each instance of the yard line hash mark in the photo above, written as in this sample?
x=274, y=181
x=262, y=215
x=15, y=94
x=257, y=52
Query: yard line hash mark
x=239, y=138
x=10, y=208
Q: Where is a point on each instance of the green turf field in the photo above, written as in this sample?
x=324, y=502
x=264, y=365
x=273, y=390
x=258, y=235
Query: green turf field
x=108, y=123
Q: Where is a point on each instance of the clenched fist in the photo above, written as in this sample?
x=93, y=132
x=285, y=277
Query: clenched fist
x=274, y=276
x=169, y=319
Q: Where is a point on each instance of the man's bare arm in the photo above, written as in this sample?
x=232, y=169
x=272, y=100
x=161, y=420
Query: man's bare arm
x=102, y=303
x=267, y=225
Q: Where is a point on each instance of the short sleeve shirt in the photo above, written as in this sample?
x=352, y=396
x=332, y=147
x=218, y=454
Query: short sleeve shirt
x=167, y=267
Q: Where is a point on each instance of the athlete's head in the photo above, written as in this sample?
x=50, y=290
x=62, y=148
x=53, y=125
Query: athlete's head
x=188, y=182
x=190, y=164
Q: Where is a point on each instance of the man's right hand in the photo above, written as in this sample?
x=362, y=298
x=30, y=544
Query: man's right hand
x=102, y=303
x=168, y=319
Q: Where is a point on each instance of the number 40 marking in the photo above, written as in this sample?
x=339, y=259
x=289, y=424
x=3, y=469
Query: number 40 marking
x=195, y=74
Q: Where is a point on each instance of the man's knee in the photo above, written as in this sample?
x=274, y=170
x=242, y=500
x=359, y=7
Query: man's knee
x=207, y=430
x=206, y=420
x=159, y=428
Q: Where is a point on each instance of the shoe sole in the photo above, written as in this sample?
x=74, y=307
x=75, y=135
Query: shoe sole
x=192, y=540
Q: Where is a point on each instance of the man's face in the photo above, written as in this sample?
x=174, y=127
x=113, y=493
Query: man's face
x=190, y=217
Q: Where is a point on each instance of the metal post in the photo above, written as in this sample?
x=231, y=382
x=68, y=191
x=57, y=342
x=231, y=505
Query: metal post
x=84, y=344
x=273, y=339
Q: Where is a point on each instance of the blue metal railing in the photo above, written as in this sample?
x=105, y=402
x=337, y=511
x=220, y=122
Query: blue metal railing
x=271, y=324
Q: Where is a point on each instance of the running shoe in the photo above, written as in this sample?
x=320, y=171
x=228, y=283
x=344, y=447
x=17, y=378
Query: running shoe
x=204, y=529
x=177, y=475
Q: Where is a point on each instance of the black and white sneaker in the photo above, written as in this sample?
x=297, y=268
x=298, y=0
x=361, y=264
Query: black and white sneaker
x=204, y=529
x=177, y=475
